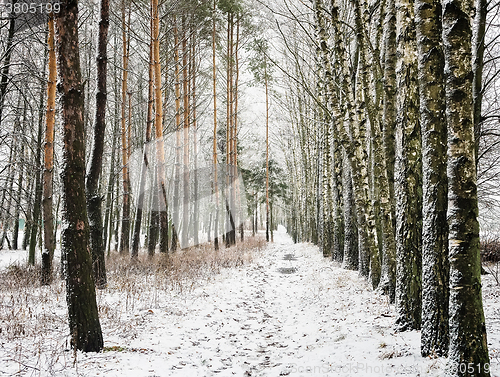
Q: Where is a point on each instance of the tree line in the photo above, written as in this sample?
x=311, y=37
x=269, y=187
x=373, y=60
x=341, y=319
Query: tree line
x=124, y=133
x=388, y=111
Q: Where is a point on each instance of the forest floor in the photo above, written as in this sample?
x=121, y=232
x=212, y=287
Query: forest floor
x=282, y=311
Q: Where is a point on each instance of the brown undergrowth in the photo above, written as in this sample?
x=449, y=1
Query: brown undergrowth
x=33, y=318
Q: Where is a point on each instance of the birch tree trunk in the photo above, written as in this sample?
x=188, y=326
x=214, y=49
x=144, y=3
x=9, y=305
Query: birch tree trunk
x=408, y=181
x=354, y=143
x=435, y=293
x=468, y=344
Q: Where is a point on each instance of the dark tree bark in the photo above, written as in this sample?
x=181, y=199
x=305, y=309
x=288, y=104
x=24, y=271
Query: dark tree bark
x=38, y=185
x=4, y=82
x=351, y=250
x=468, y=344
x=84, y=325
x=478, y=45
x=17, y=211
x=94, y=199
x=435, y=293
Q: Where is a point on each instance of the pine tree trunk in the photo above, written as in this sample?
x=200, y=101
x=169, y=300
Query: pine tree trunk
x=435, y=274
x=160, y=151
x=214, y=83
x=125, y=231
x=84, y=323
x=177, y=172
x=48, y=218
x=186, y=118
x=468, y=344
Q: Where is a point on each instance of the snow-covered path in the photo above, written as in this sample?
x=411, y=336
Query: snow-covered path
x=290, y=312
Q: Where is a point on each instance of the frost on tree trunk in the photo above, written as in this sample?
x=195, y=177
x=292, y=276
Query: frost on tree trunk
x=355, y=143
x=468, y=345
x=434, y=338
x=351, y=250
x=336, y=216
x=408, y=174
x=84, y=325
x=389, y=109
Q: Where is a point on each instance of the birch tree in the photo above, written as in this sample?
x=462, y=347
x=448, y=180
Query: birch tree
x=408, y=173
x=434, y=339
x=468, y=344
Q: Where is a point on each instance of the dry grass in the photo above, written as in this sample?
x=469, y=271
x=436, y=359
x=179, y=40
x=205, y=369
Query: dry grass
x=33, y=318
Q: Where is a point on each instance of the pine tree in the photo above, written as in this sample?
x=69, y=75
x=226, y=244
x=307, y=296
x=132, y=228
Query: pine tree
x=84, y=325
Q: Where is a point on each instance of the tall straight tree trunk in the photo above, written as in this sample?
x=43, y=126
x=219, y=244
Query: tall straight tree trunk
x=196, y=205
x=48, y=218
x=84, y=325
x=110, y=200
x=435, y=293
x=177, y=88
x=4, y=82
x=29, y=212
x=408, y=183
x=94, y=199
x=478, y=46
x=160, y=152
x=38, y=182
x=389, y=100
x=267, y=149
x=125, y=232
x=351, y=250
x=186, y=118
x=214, y=84
x=17, y=211
x=145, y=163
x=382, y=192
x=236, y=182
x=468, y=343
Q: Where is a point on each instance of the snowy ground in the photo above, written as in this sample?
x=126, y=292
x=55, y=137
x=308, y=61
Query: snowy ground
x=288, y=313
